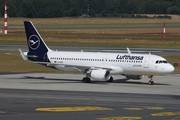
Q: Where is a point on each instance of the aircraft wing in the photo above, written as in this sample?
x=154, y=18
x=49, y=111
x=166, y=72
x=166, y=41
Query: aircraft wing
x=80, y=67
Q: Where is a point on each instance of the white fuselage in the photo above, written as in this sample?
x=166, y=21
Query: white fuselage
x=122, y=63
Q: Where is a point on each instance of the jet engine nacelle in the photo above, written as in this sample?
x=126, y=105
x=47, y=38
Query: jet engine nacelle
x=100, y=74
x=134, y=77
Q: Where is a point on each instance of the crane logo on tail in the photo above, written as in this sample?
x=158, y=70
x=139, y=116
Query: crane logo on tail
x=34, y=42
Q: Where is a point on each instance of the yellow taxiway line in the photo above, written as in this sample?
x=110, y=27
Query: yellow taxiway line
x=122, y=118
x=72, y=109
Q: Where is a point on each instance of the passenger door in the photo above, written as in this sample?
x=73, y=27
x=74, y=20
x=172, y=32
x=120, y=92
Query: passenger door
x=146, y=62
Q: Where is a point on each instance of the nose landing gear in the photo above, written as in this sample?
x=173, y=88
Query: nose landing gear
x=151, y=82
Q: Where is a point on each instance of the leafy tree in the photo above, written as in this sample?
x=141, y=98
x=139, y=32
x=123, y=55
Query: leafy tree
x=173, y=10
x=73, y=8
x=28, y=9
x=112, y=7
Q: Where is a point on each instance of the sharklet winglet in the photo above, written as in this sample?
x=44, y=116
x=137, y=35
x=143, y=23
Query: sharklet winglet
x=128, y=50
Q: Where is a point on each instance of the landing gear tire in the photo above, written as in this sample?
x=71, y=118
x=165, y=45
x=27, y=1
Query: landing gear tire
x=86, y=80
x=151, y=82
x=110, y=79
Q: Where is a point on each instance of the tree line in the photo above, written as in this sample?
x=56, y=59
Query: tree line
x=92, y=8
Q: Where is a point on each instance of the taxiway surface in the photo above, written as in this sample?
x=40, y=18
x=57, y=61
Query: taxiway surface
x=72, y=82
x=63, y=96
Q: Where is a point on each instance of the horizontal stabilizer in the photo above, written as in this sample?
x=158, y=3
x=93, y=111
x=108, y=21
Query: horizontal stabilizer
x=12, y=54
x=22, y=55
x=32, y=56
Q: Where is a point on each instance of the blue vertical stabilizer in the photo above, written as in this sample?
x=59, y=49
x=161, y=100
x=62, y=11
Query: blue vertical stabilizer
x=35, y=43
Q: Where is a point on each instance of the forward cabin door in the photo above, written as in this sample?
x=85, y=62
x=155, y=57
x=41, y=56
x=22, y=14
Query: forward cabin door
x=146, y=62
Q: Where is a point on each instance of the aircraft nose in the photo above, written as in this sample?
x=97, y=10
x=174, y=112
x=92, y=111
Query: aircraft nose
x=170, y=68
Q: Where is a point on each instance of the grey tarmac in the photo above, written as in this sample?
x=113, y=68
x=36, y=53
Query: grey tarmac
x=48, y=96
x=72, y=82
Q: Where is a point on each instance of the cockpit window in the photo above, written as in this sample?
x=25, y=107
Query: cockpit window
x=165, y=62
x=161, y=61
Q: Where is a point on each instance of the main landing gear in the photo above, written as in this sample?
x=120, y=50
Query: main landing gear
x=151, y=82
x=86, y=80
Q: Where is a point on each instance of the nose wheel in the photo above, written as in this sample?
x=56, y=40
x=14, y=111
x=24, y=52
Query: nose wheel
x=151, y=82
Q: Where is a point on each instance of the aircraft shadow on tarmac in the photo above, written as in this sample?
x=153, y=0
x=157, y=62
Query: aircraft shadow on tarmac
x=54, y=79
x=139, y=82
x=123, y=80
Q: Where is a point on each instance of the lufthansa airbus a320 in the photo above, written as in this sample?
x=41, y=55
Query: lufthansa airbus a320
x=95, y=65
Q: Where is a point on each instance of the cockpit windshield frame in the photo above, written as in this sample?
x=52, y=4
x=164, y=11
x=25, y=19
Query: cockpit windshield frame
x=161, y=61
